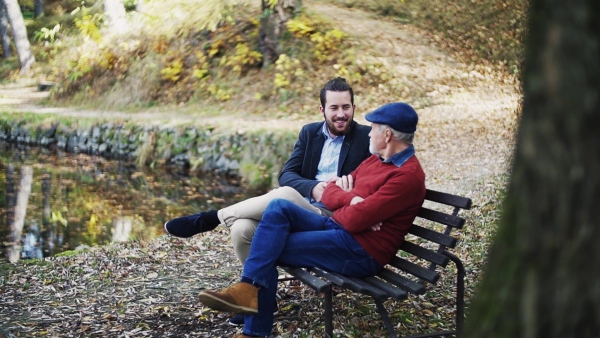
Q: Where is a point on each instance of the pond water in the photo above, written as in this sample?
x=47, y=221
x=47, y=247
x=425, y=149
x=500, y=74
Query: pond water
x=78, y=200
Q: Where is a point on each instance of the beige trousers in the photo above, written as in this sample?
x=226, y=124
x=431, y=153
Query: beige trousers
x=243, y=217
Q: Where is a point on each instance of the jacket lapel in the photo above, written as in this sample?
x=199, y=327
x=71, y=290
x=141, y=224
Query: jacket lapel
x=345, y=148
x=317, y=149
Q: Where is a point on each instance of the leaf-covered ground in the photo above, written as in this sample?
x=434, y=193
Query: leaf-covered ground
x=464, y=141
x=150, y=288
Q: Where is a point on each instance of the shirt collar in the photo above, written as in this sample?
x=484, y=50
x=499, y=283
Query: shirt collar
x=399, y=158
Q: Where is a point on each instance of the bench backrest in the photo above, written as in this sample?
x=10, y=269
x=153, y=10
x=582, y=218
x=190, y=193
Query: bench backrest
x=422, y=250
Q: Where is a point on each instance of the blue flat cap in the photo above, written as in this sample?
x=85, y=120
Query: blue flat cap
x=398, y=115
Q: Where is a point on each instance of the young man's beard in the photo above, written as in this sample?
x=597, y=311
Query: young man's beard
x=334, y=131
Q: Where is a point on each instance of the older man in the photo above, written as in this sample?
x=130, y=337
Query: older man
x=386, y=190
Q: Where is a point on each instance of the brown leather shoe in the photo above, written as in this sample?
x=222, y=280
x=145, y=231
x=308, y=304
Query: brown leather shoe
x=238, y=298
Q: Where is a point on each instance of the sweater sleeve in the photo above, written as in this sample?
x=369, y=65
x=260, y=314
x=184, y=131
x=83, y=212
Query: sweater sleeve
x=334, y=197
x=396, y=194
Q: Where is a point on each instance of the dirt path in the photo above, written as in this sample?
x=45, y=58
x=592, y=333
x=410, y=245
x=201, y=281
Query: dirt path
x=465, y=131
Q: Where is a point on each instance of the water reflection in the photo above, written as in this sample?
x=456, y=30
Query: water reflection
x=81, y=200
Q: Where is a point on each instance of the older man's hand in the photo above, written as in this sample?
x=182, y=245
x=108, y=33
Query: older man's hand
x=345, y=182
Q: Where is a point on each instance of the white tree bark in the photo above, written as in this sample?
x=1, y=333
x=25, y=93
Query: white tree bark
x=115, y=12
x=121, y=229
x=19, y=31
x=7, y=52
x=14, y=248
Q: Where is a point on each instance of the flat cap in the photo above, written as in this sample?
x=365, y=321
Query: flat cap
x=398, y=115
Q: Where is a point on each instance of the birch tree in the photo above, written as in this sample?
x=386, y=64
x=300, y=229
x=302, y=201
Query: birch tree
x=6, y=49
x=15, y=231
x=115, y=12
x=19, y=31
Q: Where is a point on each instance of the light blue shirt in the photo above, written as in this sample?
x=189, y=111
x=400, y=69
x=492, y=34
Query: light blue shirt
x=330, y=156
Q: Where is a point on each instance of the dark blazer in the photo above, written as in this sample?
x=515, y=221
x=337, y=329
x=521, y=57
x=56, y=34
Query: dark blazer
x=301, y=168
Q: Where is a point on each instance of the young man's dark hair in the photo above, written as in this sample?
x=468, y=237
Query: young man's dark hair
x=337, y=84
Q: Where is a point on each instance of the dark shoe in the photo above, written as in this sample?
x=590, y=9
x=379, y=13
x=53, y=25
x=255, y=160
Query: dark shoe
x=238, y=320
x=188, y=226
x=238, y=298
x=241, y=335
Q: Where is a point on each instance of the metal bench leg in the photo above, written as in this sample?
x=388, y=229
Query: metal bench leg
x=460, y=292
x=386, y=319
x=328, y=301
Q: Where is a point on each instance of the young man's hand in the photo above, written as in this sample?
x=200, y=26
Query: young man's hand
x=317, y=191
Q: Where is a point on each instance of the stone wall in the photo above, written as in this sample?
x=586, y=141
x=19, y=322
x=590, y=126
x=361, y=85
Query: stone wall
x=187, y=147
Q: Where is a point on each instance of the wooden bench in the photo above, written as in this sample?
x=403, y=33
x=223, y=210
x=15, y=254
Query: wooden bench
x=415, y=265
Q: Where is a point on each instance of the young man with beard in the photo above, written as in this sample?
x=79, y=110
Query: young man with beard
x=387, y=189
x=323, y=152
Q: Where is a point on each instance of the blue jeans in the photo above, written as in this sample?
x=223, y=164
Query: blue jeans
x=292, y=236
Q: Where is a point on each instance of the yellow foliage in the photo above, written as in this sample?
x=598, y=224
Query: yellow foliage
x=300, y=27
x=88, y=27
x=108, y=60
x=218, y=93
x=289, y=71
x=201, y=71
x=215, y=48
x=341, y=71
x=172, y=71
x=243, y=57
x=273, y=3
x=281, y=81
x=326, y=44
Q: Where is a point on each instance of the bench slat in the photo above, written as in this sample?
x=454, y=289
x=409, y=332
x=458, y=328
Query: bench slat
x=401, y=281
x=442, y=218
x=426, y=254
x=448, y=199
x=307, y=278
x=393, y=291
x=354, y=284
x=415, y=269
x=370, y=289
x=434, y=236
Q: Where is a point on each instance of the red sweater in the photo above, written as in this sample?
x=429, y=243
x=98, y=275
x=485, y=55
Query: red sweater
x=392, y=195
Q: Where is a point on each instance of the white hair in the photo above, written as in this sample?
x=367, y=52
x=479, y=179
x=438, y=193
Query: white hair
x=400, y=136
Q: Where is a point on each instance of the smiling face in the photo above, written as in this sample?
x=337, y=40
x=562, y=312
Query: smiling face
x=338, y=112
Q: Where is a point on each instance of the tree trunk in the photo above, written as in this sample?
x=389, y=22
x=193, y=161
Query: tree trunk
x=140, y=6
x=14, y=248
x=272, y=24
x=10, y=197
x=543, y=270
x=19, y=31
x=38, y=8
x=115, y=11
x=121, y=230
x=48, y=230
x=6, y=49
